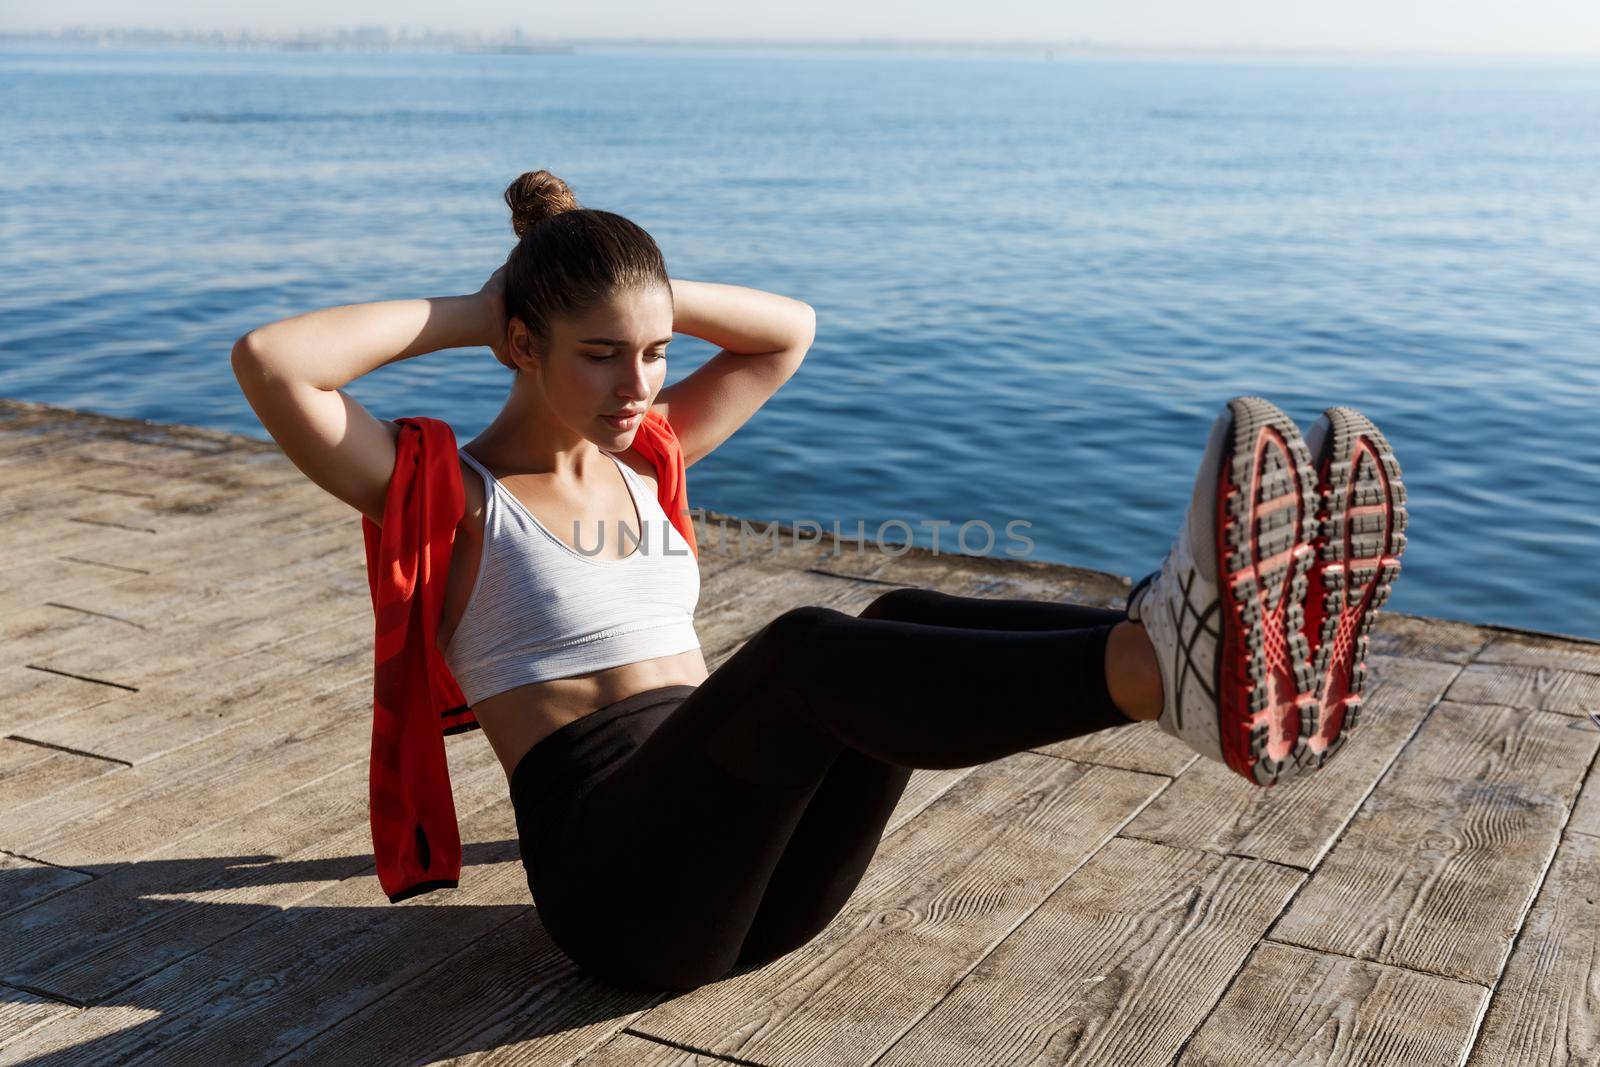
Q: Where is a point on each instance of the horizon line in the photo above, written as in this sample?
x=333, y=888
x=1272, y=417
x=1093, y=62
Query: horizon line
x=413, y=35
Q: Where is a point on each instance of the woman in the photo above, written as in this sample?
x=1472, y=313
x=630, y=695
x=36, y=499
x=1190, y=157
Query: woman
x=676, y=824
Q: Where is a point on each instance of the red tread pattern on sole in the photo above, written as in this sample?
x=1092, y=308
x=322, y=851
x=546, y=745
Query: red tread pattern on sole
x=1265, y=556
x=1362, y=518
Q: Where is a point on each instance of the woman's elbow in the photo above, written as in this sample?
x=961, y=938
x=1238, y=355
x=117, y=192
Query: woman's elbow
x=807, y=316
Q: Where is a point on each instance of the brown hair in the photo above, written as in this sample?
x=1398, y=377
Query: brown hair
x=568, y=257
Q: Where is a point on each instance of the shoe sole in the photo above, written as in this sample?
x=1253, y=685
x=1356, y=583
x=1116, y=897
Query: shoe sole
x=1362, y=517
x=1266, y=522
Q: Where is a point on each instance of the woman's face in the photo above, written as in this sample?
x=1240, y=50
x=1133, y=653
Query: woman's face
x=608, y=359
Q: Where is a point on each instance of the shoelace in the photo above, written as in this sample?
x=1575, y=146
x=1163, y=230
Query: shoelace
x=1139, y=585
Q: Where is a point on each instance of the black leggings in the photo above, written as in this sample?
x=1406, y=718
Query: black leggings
x=691, y=830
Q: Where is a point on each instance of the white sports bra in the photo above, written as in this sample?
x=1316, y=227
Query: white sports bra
x=541, y=609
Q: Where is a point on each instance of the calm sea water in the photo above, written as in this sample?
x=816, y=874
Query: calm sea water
x=1036, y=280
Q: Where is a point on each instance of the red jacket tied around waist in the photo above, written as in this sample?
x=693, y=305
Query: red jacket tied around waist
x=415, y=700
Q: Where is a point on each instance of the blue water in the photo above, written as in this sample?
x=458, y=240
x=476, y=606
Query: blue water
x=1036, y=280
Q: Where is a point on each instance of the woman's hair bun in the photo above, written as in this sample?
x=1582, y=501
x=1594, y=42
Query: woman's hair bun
x=536, y=196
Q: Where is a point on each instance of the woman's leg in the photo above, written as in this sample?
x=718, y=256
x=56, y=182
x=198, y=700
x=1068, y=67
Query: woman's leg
x=839, y=832
x=661, y=870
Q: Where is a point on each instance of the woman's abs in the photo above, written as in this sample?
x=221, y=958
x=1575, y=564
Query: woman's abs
x=518, y=719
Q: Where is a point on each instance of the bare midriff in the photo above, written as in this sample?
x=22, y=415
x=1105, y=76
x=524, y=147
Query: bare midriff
x=518, y=719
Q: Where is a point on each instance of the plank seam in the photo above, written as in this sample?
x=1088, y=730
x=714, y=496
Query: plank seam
x=1089, y=761
x=96, y=614
x=719, y=1057
x=119, y=492
x=199, y=738
x=1208, y=852
x=59, y=998
x=1376, y=963
x=64, y=748
x=114, y=525
x=47, y=863
x=81, y=677
x=97, y=563
x=852, y=578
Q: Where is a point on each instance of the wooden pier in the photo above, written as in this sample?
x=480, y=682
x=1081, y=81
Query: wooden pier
x=186, y=874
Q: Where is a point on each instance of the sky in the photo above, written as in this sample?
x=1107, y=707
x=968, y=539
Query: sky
x=1452, y=26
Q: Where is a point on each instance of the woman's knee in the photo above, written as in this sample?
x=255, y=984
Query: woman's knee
x=796, y=624
x=906, y=602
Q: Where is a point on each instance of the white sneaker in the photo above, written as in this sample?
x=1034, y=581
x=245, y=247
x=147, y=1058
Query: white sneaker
x=1226, y=611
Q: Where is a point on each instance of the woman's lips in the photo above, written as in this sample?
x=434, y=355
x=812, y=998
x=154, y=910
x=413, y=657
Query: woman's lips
x=623, y=423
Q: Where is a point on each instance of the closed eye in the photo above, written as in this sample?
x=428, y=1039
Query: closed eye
x=601, y=357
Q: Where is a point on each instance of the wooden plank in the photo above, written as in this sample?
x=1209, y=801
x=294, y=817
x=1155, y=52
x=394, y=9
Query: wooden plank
x=38, y=495
x=1532, y=650
x=1138, y=746
x=23, y=1013
x=138, y=553
x=283, y=510
x=180, y=898
x=1534, y=688
x=117, y=818
x=1210, y=807
x=225, y=627
x=1419, y=637
x=73, y=481
x=1439, y=866
x=184, y=708
x=238, y=571
x=180, y=555
x=30, y=772
x=43, y=621
x=297, y=969
x=509, y=997
x=941, y=893
x=34, y=632
x=1119, y=965
x=33, y=696
x=59, y=579
x=26, y=883
x=1546, y=1009
x=1292, y=1005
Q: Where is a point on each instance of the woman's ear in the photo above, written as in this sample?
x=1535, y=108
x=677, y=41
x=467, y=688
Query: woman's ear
x=524, y=348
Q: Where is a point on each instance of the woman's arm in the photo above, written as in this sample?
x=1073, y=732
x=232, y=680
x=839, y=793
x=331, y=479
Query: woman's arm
x=763, y=337
x=292, y=371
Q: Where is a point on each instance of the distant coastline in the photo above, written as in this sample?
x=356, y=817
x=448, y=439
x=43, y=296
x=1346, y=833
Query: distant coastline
x=515, y=41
